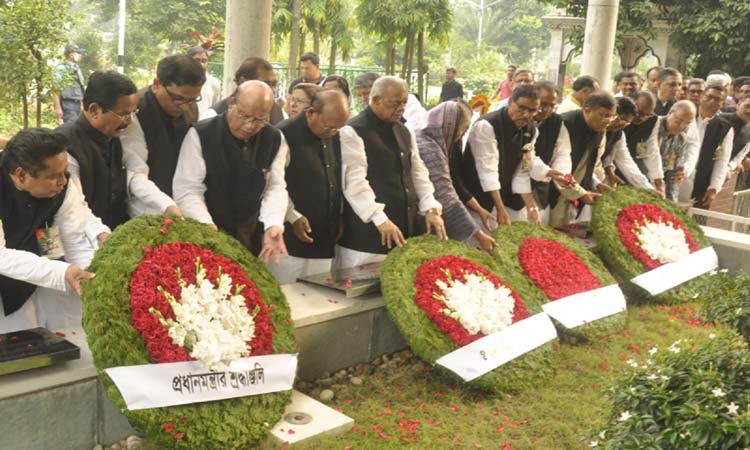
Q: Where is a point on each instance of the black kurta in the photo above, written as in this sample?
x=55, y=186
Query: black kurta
x=313, y=180
x=22, y=215
x=388, y=149
x=236, y=176
x=102, y=173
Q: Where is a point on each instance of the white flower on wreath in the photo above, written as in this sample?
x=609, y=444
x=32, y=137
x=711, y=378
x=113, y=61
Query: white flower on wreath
x=211, y=323
x=476, y=303
x=662, y=241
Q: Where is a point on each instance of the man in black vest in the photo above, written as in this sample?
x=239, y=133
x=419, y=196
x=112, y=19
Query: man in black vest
x=231, y=172
x=315, y=186
x=552, y=144
x=586, y=128
x=739, y=120
x=166, y=109
x=716, y=139
x=380, y=146
x=95, y=153
x=500, y=159
x=40, y=215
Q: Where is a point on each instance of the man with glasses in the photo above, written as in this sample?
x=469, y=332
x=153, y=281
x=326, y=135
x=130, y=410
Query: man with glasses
x=317, y=183
x=586, y=128
x=500, y=158
x=96, y=153
x=379, y=146
x=231, y=172
x=668, y=85
x=299, y=100
x=696, y=88
x=716, y=137
x=166, y=109
x=41, y=220
x=253, y=68
x=521, y=77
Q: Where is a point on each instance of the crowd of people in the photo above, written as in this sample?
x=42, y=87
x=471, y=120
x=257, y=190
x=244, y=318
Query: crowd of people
x=309, y=185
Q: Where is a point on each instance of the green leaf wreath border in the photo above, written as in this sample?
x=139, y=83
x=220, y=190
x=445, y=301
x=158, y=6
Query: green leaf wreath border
x=509, y=240
x=227, y=424
x=426, y=339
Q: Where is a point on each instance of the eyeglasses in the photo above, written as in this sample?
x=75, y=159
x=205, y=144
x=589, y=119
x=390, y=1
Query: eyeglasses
x=526, y=110
x=250, y=120
x=124, y=116
x=712, y=98
x=695, y=91
x=179, y=100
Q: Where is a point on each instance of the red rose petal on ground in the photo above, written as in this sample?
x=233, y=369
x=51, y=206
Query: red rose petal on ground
x=168, y=427
x=163, y=230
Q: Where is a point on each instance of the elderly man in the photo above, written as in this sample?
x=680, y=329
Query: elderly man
x=41, y=220
x=716, y=139
x=582, y=87
x=379, y=143
x=500, y=158
x=96, y=154
x=253, y=68
x=640, y=129
x=675, y=140
x=166, y=109
x=586, y=128
x=626, y=83
x=668, y=83
x=231, y=172
x=521, y=77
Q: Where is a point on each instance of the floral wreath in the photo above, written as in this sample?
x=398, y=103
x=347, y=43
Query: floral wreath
x=558, y=267
x=123, y=306
x=416, y=280
x=637, y=231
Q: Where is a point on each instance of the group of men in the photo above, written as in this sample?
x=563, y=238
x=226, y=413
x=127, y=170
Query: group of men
x=319, y=190
x=296, y=194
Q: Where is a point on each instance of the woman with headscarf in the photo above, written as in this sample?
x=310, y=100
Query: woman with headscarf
x=438, y=133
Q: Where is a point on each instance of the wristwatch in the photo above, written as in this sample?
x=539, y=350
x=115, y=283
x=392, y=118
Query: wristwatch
x=437, y=211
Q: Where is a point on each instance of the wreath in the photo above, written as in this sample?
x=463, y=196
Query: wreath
x=416, y=280
x=125, y=307
x=558, y=267
x=637, y=231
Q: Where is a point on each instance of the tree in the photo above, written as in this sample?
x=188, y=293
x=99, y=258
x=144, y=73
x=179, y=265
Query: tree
x=711, y=33
x=32, y=33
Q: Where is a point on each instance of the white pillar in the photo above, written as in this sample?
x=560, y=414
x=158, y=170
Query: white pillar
x=599, y=41
x=121, y=38
x=555, y=55
x=248, y=33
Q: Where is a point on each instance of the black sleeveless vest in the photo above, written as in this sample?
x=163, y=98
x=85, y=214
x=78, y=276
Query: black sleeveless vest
x=388, y=149
x=549, y=131
x=22, y=215
x=510, y=141
x=716, y=131
x=313, y=180
x=164, y=135
x=102, y=173
x=236, y=174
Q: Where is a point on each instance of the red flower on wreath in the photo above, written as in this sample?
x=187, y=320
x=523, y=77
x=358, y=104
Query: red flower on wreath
x=159, y=268
x=435, y=270
x=555, y=269
x=632, y=217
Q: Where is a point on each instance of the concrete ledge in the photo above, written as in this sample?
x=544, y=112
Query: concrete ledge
x=733, y=248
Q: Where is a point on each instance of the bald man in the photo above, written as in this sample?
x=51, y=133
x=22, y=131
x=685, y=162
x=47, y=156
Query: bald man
x=231, y=172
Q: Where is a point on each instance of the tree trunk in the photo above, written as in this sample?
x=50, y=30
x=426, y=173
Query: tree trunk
x=420, y=67
x=392, y=67
x=294, y=40
x=406, y=62
x=332, y=57
x=25, y=101
x=302, y=37
x=316, y=39
x=410, y=66
x=38, y=102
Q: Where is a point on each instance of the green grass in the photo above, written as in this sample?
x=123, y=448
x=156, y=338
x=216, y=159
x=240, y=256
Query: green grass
x=567, y=411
